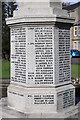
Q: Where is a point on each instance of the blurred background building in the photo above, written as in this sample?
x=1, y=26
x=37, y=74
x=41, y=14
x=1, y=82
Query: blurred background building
x=74, y=11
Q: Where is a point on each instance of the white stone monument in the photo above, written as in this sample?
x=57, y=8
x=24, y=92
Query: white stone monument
x=40, y=60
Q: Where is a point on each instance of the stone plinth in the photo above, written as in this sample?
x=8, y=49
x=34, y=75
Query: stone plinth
x=40, y=60
x=6, y=112
x=41, y=100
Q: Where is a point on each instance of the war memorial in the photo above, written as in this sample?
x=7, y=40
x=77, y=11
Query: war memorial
x=40, y=84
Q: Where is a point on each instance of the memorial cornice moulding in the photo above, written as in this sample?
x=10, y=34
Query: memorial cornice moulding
x=33, y=20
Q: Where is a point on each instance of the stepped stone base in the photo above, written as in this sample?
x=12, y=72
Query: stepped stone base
x=6, y=112
x=41, y=99
x=35, y=103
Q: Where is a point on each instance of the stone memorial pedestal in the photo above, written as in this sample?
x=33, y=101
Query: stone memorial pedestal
x=40, y=60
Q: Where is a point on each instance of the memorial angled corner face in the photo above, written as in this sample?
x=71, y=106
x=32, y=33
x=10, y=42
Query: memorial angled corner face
x=18, y=54
x=62, y=54
x=40, y=55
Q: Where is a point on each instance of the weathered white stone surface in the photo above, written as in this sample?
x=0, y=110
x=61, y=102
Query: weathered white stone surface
x=32, y=11
x=6, y=112
x=39, y=8
x=41, y=100
x=40, y=61
x=39, y=3
x=35, y=49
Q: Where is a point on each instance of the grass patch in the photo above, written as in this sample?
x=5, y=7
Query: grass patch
x=75, y=70
x=5, y=72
